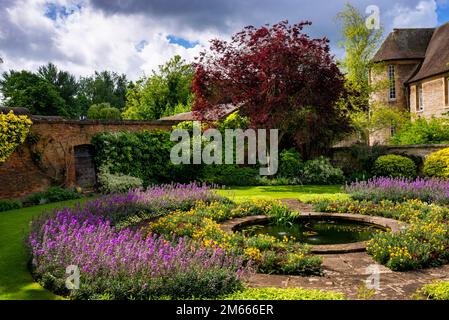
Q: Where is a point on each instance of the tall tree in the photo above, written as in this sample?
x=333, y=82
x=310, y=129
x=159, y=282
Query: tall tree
x=29, y=90
x=281, y=78
x=67, y=86
x=360, y=44
x=103, y=87
x=165, y=92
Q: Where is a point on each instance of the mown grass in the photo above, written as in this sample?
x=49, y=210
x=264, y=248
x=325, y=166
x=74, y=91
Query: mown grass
x=15, y=280
x=302, y=193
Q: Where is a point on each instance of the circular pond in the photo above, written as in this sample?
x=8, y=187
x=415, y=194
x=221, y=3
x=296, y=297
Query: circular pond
x=316, y=231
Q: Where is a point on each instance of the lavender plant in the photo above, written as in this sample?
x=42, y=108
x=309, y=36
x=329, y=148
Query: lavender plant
x=156, y=201
x=125, y=264
x=432, y=190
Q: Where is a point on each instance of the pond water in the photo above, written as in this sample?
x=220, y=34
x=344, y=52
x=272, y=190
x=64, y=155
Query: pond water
x=318, y=231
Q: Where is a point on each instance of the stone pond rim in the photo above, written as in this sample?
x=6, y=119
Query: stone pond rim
x=385, y=223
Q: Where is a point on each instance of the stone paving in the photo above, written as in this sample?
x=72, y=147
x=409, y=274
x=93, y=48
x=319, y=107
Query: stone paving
x=348, y=272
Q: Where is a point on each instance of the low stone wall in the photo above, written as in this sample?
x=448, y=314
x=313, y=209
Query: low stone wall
x=48, y=158
x=344, y=157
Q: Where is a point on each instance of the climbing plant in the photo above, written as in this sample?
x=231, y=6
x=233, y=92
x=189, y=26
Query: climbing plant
x=13, y=131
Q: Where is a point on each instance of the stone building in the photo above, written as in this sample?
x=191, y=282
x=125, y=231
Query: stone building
x=414, y=66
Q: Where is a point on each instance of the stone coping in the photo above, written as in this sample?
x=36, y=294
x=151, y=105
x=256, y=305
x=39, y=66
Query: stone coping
x=386, y=223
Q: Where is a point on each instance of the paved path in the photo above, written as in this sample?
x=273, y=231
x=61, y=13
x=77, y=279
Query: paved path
x=348, y=272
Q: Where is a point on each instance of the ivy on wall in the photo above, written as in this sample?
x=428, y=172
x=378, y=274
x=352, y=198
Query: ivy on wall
x=13, y=131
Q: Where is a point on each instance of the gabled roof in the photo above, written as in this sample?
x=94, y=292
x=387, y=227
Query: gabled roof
x=437, y=55
x=220, y=112
x=405, y=44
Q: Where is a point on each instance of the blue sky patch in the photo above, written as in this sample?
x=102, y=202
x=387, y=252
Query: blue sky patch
x=182, y=42
x=141, y=45
x=53, y=10
x=443, y=13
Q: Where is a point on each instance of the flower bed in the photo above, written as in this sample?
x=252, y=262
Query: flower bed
x=424, y=243
x=183, y=254
x=399, y=189
x=137, y=205
x=121, y=263
x=268, y=254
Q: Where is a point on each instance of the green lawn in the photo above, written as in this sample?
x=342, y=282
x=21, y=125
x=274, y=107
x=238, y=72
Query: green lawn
x=303, y=193
x=15, y=280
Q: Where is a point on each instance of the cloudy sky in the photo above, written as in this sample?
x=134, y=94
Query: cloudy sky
x=135, y=36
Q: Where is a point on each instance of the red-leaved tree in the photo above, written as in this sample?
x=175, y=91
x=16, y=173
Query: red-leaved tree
x=280, y=78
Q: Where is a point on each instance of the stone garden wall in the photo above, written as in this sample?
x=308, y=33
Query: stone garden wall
x=344, y=157
x=49, y=157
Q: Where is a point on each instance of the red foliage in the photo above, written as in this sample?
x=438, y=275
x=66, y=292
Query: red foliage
x=280, y=76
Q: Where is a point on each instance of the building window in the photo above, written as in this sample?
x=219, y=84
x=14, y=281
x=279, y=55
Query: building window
x=420, y=104
x=392, y=130
x=392, y=83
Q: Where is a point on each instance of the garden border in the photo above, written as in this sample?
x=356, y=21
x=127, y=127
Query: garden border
x=394, y=225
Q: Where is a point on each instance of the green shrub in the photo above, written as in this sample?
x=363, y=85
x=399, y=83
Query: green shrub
x=116, y=183
x=230, y=175
x=423, y=131
x=103, y=111
x=6, y=205
x=284, y=294
x=290, y=164
x=53, y=194
x=321, y=171
x=439, y=290
x=144, y=155
x=437, y=164
x=394, y=166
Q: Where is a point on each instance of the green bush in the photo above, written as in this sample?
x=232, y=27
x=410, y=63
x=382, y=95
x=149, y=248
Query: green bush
x=116, y=183
x=53, y=194
x=6, y=205
x=423, y=131
x=439, y=290
x=320, y=171
x=230, y=175
x=394, y=166
x=144, y=155
x=437, y=164
x=103, y=111
x=284, y=294
x=290, y=164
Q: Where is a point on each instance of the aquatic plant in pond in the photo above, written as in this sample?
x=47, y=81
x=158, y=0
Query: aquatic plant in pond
x=316, y=232
x=126, y=264
x=400, y=189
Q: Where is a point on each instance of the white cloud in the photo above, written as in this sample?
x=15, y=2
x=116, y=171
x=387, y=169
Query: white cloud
x=92, y=39
x=89, y=40
x=423, y=15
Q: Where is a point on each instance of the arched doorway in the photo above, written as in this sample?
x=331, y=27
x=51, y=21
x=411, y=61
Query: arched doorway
x=85, y=166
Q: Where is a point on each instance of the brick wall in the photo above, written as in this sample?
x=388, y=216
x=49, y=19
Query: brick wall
x=50, y=161
x=434, y=97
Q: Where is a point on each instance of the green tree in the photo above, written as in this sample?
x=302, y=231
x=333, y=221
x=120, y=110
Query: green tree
x=67, y=86
x=29, y=90
x=166, y=92
x=103, y=111
x=360, y=44
x=103, y=87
